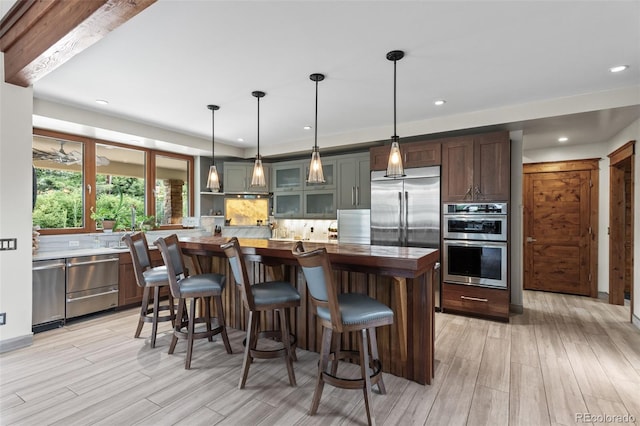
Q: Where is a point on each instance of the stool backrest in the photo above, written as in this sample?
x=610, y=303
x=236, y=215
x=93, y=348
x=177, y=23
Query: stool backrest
x=233, y=251
x=140, y=257
x=319, y=277
x=172, y=256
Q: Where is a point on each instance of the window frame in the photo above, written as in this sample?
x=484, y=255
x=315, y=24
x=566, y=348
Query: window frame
x=89, y=171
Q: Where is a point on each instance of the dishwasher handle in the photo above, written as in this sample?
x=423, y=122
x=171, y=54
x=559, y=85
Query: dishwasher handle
x=48, y=267
x=91, y=296
x=92, y=262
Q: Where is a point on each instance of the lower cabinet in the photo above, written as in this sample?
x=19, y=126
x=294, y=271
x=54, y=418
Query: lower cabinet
x=481, y=301
x=129, y=291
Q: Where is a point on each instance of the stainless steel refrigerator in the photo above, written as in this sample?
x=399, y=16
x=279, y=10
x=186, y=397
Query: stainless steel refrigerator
x=406, y=212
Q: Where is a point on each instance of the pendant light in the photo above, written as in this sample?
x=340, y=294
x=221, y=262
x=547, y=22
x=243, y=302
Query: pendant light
x=316, y=174
x=257, y=178
x=213, y=181
x=394, y=166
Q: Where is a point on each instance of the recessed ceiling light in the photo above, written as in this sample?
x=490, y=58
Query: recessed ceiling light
x=102, y=102
x=563, y=139
x=307, y=127
x=240, y=140
x=619, y=68
x=440, y=102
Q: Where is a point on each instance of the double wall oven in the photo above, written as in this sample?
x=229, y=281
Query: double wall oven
x=475, y=244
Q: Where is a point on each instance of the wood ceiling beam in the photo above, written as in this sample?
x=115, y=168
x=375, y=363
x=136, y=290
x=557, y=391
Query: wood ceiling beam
x=37, y=36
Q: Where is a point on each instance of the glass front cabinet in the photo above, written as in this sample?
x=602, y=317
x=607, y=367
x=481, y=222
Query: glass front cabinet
x=320, y=204
x=288, y=176
x=287, y=204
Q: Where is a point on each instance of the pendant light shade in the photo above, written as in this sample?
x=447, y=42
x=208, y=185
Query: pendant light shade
x=257, y=178
x=395, y=168
x=316, y=175
x=213, y=181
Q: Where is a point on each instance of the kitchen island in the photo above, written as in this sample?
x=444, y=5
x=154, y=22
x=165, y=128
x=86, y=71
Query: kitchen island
x=400, y=277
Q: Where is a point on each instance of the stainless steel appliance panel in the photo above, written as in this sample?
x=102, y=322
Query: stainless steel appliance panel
x=422, y=212
x=48, y=295
x=386, y=212
x=92, y=284
x=89, y=301
x=480, y=263
x=475, y=227
x=354, y=226
x=87, y=272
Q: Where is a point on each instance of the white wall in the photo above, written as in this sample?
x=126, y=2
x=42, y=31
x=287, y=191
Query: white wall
x=16, y=106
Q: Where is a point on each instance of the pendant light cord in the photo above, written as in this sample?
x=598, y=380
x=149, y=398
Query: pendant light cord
x=258, y=127
x=213, y=127
x=395, y=134
x=315, y=126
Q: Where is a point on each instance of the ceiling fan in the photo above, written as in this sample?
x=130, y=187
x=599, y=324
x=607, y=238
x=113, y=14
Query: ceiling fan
x=67, y=158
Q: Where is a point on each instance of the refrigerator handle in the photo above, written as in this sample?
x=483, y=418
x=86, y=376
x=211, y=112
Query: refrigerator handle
x=406, y=218
x=400, y=224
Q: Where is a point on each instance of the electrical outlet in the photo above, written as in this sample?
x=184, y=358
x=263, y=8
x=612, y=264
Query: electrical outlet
x=3, y=318
x=8, y=243
x=74, y=243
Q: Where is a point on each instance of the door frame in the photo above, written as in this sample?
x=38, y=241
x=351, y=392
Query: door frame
x=591, y=165
x=616, y=216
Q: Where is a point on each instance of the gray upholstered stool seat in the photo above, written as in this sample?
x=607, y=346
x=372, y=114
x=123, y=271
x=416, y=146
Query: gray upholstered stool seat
x=205, y=287
x=149, y=277
x=277, y=296
x=343, y=313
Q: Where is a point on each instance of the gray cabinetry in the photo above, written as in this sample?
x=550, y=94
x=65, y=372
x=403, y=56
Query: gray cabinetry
x=354, y=182
x=237, y=178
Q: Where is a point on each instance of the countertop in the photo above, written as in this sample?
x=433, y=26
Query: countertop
x=61, y=254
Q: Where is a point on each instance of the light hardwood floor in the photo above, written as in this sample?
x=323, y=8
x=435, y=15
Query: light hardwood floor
x=563, y=357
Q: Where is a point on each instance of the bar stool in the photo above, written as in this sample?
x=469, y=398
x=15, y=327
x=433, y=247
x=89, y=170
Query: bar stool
x=148, y=278
x=343, y=313
x=183, y=287
x=277, y=296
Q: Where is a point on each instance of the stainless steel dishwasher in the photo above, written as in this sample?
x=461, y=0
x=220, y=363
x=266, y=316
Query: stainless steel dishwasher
x=48, y=294
x=92, y=284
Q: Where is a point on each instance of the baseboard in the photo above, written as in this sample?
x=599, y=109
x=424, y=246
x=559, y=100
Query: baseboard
x=635, y=320
x=8, y=345
x=516, y=309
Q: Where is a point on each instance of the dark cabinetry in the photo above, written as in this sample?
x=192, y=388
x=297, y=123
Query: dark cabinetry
x=476, y=168
x=414, y=154
x=489, y=302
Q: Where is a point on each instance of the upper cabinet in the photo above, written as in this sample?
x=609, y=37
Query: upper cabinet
x=354, y=181
x=414, y=154
x=476, y=168
x=329, y=172
x=288, y=176
x=237, y=178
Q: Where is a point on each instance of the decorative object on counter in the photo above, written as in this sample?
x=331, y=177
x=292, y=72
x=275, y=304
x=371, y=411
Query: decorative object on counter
x=112, y=216
x=213, y=181
x=217, y=232
x=257, y=178
x=279, y=296
x=338, y=314
x=184, y=286
x=316, y=175
x=333, y=231
x=394, y=167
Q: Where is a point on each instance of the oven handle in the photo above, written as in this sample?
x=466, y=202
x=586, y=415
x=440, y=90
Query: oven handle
x=476, y=243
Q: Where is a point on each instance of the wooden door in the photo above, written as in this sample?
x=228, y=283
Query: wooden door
x=560, y=220
x=492, y=167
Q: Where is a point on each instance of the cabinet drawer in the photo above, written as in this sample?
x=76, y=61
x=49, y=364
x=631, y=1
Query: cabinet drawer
x=476, y=300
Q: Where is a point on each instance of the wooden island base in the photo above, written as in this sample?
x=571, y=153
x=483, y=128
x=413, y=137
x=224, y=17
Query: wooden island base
x=400, y=277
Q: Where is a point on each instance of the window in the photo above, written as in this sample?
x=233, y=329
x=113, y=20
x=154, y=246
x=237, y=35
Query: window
x=81, y=181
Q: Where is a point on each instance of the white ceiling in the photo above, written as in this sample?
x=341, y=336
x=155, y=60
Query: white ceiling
x=510, y=58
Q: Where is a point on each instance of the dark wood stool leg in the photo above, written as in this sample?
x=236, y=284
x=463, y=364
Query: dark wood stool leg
x=373, y=341
x=251, y=340
x=335, y=349
x=289, y=314
x=284, y=328
x=178, y=325
x=206, y=301
x=156, y=310
x=364, y=368
x=325, y=348
x=143, y=311
x=222, y=323
x=190, y=327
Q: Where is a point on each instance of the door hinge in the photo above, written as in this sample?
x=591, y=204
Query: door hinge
x=590, y=183
x=590, y=230
x=589, y=276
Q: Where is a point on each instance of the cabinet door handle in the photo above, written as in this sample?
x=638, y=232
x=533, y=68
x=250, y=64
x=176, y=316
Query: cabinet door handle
x=475, y=299
x=353, y=195
x=357, y=196
x=478, y=193
x=468, y=195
